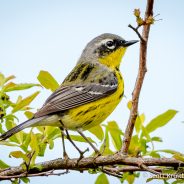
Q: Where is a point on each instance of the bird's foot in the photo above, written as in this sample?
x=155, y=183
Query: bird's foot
x=82, y=153
x=65, y=156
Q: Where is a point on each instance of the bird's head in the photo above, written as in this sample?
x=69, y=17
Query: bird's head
x=107, y=49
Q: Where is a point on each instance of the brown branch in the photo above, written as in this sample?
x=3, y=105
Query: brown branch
x=143, y=166
x=132, y=169
x=139, y=80
x=111, y=172
x=90, y=163
x=25, y=174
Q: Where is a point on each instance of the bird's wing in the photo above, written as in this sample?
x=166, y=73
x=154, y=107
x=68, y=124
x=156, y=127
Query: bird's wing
x=68, y=97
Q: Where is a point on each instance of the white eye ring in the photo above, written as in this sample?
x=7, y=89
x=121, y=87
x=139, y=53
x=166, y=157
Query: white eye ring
x=110, y=45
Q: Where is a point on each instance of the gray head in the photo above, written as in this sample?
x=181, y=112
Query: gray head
x=103, y=45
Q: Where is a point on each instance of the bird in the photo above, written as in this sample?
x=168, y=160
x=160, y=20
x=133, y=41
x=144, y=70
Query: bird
x=90, y=92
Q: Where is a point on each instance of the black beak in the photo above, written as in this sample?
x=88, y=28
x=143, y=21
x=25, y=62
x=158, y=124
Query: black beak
x=128, y=43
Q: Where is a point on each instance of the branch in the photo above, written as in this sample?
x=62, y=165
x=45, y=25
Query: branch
x=128, y=163
x=133, y=169
x=25, y=174
x=137, y=32
x=139, y=81
x=143, y=166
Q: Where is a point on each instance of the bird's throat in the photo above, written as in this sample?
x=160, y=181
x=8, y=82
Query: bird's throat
x=113, y=60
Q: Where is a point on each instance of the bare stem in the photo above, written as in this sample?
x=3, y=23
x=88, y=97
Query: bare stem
x=140, y=78
x=47, y=173
x=137, y=32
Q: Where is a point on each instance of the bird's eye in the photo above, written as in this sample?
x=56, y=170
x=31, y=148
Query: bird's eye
x=110, y=45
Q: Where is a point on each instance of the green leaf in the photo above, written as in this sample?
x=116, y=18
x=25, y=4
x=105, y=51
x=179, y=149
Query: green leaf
x=2, y=79
x=105, y=149
x=29, y=114
x=102, y=179
x=5, y=143
x=14, y=87
x=134, y=147
x=92, y=171
x=138, y=123
x=42, y=148
x=3, y=165
x=129, y=177
x=149, y=179
x=9, y=78
x=143, y=146
x=115, y=133
x=129, y=105
x=34, y=144
x=40, y=129
x=160, y=120
x=178, y=181
x=47, y=80
x=18, y=154
x=1, y=128
x=11, y=116
x=80, y=139
x=15, y=181
x=145, y=133
x=25, y=102
x=26, y=141
x=179, y=157
x=51, y=144
x=154, y=154
x=97, y=131
x=25, y=180
x=9, y=125
x=19, y=98
x=52, y=132
x=157, y=139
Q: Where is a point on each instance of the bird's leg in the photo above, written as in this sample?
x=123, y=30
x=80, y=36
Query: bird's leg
x=65, y=155
x=94, y=148
x=72, y=142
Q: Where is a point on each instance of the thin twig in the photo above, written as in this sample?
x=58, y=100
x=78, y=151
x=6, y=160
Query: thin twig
x=47, y=173
x=132, y=169
x=136, y=30
x=111, y=173
x=143, y=166
x=139, y=81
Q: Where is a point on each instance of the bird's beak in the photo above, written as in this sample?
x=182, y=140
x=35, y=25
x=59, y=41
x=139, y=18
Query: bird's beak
x=128, y=43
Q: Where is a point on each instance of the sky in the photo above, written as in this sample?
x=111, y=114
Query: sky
x=50, y=35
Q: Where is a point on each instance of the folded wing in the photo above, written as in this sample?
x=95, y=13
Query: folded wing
x=68, y=97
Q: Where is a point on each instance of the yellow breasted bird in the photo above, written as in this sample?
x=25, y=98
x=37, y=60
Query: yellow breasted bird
x=89, y=94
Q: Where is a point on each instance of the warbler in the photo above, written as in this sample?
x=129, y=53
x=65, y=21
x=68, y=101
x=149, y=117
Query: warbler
x=90, y=93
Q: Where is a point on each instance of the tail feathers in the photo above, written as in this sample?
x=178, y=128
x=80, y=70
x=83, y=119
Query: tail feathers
x=18, y=128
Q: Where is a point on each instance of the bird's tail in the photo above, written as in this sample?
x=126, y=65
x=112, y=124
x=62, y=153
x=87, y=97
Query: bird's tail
x=18, y=128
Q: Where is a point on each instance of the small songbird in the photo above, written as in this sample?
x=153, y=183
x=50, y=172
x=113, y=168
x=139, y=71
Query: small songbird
x=89, y=94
